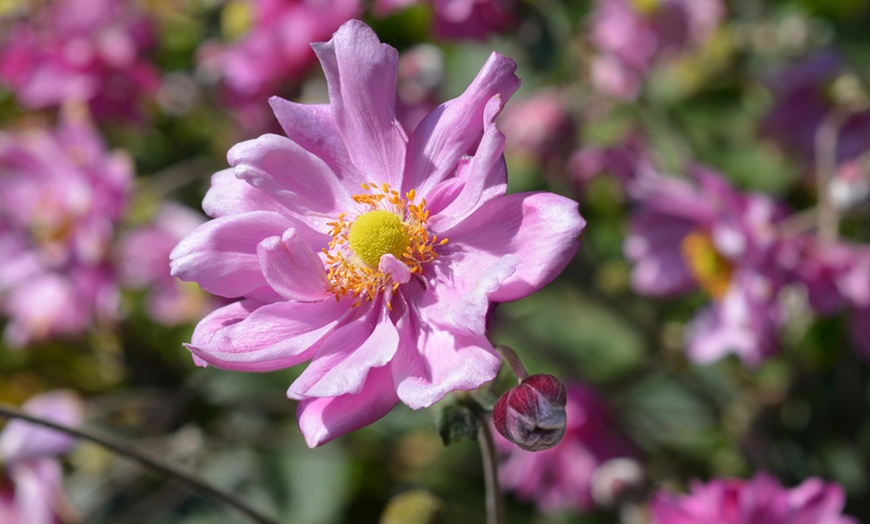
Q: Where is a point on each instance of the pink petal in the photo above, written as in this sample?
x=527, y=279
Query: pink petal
x=245, y=336
x=485, y=176
x=399, y=272
x=323, y=419
x=292, y=269
x=221, y=255
x=347, y=356
x=313, y=127
x=293, y=176
x=462, y=305
x=22, y=440
x=454, y=128
x=361, y=76
x=542, y=229
x=433, y=362
x=230, y=196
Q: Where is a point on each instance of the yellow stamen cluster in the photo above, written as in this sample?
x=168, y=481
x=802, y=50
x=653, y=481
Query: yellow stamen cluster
x=389, y=224
x=710, y=269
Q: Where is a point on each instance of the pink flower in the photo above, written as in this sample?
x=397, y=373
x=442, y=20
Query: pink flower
x=144, y=263
x=836, y=277
x=560, y=478
x=61, y=195
x=82, y=50
x=274, y=50
x=371, y=254
x=702, y=234
x=631, y=36
x=803, y=98
x=540, y=128
x=31, y=490
x=761, y=500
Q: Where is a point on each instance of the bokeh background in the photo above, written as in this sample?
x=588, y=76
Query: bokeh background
x=145, y=98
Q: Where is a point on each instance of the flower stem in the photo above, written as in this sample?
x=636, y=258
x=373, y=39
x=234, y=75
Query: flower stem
x=495, y=513
x=189, y=479
x=826, y=138
x=513, y=360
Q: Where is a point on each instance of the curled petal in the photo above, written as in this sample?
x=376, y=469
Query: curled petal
x=292, y=269
x=361, y=75
x=221, y=255
x=246, y=336
x=289, y=173
x=454, y=128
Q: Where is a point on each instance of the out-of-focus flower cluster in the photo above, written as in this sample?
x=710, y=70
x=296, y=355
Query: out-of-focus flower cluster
x=365, y=200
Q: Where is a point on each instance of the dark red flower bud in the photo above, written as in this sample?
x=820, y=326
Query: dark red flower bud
x=532, y=414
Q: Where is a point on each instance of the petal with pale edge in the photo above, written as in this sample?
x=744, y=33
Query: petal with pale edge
x=290, y=174
x=221, y=255
x=431, y=363
x=292, y=269
x=454, y=128
x=541, y=229
x=361, y=75
x=345, y=357
x=247, y=336
x=323, y=419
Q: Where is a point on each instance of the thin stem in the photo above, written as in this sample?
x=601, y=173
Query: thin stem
x=513, y=360
x=495, y=513
x=828, y=221
x=187, y=478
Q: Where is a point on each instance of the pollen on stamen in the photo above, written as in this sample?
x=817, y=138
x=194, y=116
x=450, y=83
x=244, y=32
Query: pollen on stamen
x=359, y=274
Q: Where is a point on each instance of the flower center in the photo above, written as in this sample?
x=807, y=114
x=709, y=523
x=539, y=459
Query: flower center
x=710, y=269
x=377, y=233
x=389, y=225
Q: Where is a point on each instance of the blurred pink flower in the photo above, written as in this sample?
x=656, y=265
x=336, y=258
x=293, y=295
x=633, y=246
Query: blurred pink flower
x=760, y=500
x=80, y=50
x=702, y=234
x=802, y=99
x=31, y=490
x=336, y=239
x=631, y=35
x=421, y=73
x=144, y=263
x=836, y=277
x=61, y=195
x=460, y=19
x=540, y=128
x=273, y=51
x=560, y=478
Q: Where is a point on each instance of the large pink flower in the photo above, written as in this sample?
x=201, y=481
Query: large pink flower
x=761, y=500
x=372, y=254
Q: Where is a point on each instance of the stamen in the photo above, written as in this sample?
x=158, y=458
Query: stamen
x=353, y=262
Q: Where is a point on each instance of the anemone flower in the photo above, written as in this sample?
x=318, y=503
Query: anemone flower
x=370, y=253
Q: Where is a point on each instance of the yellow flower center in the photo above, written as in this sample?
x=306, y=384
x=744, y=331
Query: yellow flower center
x=377, y=233
x=710, y=269
x=390, y=225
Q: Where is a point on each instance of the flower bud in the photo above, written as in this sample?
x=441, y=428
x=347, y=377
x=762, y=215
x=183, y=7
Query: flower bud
x=532, y=414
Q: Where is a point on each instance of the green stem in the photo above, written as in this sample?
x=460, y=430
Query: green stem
x=495, y=513
x=189, y=479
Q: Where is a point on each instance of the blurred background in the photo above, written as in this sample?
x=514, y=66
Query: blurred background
x=717, y=316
